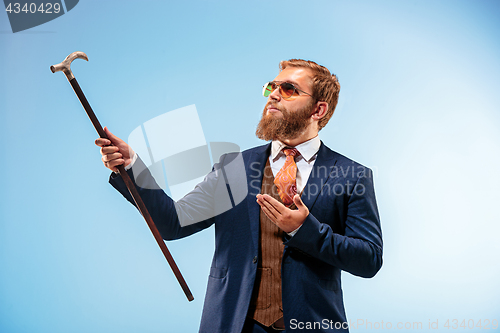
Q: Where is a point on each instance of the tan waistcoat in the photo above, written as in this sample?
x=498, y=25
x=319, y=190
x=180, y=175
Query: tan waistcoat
x=265, y=305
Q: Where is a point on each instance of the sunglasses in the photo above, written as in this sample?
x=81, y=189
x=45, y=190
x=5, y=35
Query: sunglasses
x=287, y=90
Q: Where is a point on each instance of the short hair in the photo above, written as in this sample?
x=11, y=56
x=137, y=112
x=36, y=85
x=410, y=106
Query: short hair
x=325, y=87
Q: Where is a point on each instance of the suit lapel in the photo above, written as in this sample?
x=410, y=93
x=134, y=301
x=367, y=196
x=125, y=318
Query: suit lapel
x=255, y=173
x=320, y=173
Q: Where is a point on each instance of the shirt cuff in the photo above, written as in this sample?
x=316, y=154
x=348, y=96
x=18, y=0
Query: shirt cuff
x=292, y=233
x=134, y=158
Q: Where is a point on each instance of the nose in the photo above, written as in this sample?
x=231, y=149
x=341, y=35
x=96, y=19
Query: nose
x=275, y=94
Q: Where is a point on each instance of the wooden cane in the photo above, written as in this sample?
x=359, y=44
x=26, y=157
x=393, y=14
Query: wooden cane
x=65, y=68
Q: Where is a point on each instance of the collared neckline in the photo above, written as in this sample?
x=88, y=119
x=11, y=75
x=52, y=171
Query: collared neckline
x=306, y=149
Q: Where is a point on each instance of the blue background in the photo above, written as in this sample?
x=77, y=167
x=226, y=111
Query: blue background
x=419, y=104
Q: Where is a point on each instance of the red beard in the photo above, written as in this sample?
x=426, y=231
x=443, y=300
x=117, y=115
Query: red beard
x=290, y=126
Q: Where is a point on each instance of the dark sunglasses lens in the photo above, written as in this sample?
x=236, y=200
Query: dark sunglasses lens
x=268, y=89
x=287, y=90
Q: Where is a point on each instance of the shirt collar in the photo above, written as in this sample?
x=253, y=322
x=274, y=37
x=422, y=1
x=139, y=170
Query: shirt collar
x=306, y=149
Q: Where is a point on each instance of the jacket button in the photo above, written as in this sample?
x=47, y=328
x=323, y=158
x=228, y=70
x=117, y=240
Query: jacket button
x=255, y=259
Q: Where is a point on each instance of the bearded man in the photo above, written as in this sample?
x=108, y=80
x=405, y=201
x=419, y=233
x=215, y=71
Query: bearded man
x=309, y=213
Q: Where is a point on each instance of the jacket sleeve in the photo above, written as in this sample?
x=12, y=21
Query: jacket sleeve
x=359, y=250
x=174, y=220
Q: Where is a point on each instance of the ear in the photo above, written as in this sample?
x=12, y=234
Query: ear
x=320, y=110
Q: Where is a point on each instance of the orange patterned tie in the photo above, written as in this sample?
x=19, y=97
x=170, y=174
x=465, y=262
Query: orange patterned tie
x=285, y=179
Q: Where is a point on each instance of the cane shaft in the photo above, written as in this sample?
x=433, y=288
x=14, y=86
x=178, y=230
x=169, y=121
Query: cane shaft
x=88, y=108
x=134, y=193
x=145, y=213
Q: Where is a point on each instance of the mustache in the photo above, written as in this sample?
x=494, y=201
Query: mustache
x=275, y=105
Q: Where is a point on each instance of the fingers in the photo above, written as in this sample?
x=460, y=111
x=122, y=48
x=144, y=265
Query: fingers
x=112, y=165
x=272, y=203
x=267, y=208
x=114, y=150
x=111, y=157
x=300, y=205
x=101, y=142
x=112, y=160
x=111, y=140
x=269, y=214
x=285, y=218
x=109, y=150
x=297, y=200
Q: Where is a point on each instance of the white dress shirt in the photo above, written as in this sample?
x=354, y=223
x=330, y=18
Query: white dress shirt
x=308, y=151
x=305, y=161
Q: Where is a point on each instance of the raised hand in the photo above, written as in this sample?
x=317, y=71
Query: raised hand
x=114, y=151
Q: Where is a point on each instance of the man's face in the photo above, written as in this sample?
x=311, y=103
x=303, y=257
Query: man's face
x=288, y=119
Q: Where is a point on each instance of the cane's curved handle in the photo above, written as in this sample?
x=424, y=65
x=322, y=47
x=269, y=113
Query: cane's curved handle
x=65, y=66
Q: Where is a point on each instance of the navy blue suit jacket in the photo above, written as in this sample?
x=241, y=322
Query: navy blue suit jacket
x=342, y=232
